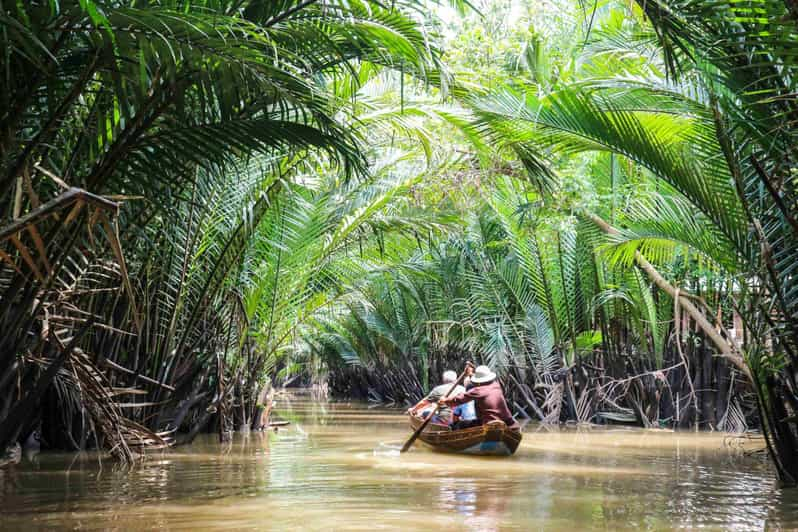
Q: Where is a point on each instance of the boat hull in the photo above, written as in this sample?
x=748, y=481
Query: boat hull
x=492, y=439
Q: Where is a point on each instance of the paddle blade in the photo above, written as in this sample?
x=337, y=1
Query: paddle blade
x=409, y=443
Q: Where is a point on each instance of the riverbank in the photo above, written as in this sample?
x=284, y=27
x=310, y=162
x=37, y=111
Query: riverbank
x=337, y=467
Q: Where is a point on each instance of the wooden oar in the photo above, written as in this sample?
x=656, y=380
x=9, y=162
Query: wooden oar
x=417, y=433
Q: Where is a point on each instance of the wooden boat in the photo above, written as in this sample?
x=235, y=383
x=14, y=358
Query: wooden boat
x=492, y=439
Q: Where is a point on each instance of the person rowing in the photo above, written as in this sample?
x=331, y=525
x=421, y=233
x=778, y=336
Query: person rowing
x=486, y=392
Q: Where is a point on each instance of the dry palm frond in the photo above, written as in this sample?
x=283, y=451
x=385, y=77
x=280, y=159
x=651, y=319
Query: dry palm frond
x=72, y=302
x=584, y=406
x=733, y=419
x=83, y=382
x=553, y=404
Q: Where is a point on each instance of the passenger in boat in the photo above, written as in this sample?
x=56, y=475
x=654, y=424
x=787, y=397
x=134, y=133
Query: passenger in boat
x=427, y=405
x=488, y=399
x=464, y=416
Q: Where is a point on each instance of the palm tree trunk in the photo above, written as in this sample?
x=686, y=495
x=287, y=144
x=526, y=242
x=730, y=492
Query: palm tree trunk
x=726, y=348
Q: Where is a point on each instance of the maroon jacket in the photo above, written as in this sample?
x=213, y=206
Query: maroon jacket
x=489, y=402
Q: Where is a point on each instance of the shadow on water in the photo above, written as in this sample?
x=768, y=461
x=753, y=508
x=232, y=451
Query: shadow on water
x=337, y=466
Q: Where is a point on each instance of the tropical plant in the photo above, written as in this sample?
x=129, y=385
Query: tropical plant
x=718, y=141
x=540, y=266
x=193, y=115
x=198, y=198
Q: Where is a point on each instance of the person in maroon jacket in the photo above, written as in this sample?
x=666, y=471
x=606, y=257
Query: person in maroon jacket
x=488, y=398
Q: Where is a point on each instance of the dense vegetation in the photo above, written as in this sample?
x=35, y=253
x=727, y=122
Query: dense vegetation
x=202, y=198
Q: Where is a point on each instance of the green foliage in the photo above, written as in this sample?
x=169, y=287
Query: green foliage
x=306, y=186
x=207, y=119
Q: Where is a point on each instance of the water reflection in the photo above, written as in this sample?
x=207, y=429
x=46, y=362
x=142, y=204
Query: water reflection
x=337, y=466
x=482, y=508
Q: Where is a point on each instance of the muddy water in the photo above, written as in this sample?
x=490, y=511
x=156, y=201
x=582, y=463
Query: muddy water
x=337, y=468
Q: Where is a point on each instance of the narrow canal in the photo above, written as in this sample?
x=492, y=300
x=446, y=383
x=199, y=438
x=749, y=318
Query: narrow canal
x=336, y=467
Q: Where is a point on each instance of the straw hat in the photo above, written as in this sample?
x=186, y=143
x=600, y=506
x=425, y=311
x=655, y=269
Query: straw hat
x=483, y=375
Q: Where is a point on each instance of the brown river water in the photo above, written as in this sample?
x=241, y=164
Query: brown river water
x=337, y=467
